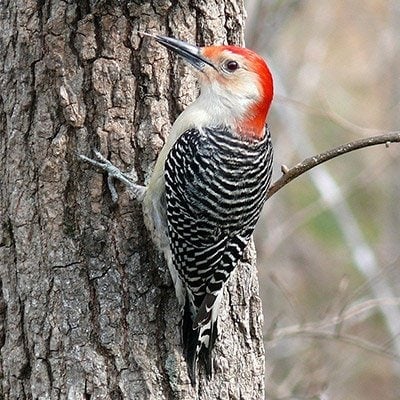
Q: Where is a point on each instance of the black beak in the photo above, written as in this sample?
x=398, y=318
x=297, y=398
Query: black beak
x=188, y=52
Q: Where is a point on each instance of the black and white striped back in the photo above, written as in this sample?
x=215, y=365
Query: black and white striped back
x=216, y=184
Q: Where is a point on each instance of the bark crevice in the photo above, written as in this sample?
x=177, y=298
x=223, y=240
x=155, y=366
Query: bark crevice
x=87, y=307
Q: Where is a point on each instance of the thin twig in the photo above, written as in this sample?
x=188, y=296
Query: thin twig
x=320, y=330
x=332, y=322
x=350, y=339
x=312, y=162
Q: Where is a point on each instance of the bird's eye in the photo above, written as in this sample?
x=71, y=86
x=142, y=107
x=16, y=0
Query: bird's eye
x=231, y=66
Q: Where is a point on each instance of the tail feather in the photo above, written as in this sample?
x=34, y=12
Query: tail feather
x=210, y=331
x=199, y=334
x=190, y=339
x=205, y=311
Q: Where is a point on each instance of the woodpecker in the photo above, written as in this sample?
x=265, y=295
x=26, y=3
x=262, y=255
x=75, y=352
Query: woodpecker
x=209, y=184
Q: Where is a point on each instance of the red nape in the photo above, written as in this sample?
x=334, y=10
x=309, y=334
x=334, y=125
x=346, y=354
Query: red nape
x=253, y=125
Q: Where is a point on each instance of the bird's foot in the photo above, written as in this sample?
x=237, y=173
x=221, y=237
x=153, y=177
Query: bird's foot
x=114, y=172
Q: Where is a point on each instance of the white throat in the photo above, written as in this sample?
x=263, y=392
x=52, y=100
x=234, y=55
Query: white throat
x=215, y=107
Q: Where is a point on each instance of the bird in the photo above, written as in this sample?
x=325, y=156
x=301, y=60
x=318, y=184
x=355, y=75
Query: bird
x=209, y=184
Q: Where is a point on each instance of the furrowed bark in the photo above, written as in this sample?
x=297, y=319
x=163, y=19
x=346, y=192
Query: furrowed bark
x=87, y=307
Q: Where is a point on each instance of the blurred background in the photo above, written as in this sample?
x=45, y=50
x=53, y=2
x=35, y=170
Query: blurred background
x=329, y=242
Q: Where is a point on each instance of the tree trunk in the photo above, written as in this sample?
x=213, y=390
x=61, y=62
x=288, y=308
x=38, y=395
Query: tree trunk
x=87, y=307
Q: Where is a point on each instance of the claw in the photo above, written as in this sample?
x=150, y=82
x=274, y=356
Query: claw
x=113, y=172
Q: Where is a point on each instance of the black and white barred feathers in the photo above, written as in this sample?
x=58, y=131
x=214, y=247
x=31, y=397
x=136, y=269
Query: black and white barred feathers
x=216, y=183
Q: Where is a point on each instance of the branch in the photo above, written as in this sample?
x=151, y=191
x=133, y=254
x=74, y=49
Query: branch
x=333, y=322
x=353, y=340
x=311, y=162
x=320, y=329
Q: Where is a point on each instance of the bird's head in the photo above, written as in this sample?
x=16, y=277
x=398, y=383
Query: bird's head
x=236, y=84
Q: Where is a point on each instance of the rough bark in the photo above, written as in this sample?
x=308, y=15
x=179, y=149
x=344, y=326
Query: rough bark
x=87, y=308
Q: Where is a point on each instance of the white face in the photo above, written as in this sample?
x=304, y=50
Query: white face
x=236, y=91
x=233, y=78
x=230, y=90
